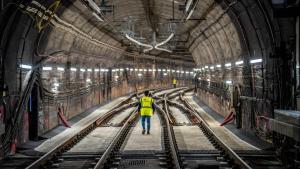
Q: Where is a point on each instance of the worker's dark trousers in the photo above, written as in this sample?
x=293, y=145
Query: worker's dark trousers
x=238, y=117
x=148, y=119
x=174, y=85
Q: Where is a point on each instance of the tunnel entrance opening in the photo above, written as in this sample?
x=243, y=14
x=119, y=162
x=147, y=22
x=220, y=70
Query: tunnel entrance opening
x=33, y=114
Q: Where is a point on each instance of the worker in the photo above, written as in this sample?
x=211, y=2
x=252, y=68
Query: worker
x=146, y=108
x=174, y=83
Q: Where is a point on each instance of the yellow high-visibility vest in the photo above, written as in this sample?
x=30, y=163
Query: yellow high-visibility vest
x=146, y=106
x=174, y=81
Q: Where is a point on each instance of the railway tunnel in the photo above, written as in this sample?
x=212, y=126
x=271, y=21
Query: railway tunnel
x=224, y=75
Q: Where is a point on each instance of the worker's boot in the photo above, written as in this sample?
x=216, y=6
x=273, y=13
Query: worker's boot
x=148, y=132
x=143, y=132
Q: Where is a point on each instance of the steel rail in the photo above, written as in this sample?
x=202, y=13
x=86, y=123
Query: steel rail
x=237, y=160
x=117, y=141
x=71, y=141
x=172, y=141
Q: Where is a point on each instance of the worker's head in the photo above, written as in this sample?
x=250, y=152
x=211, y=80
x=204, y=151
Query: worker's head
x=146, y=93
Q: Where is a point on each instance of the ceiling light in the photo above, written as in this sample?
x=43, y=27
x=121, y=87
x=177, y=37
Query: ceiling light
x=159, y=70
x=239, y=62
x=47, y=68
x=94, y=6
x=139, y=74
x=56, y=84
x=212, y=67
x=131, y=69
x=136, y=69
x=206, y=67
x=168, y=70
x=164, y=70
x=25, y=66
x=165, y=74
x=178, y=71
x=256, y=61
x=182, y=71
x=102, y=70
x=145, y=70
x=89, y=70
x=227, y=64
x=73, y=69
x=218, y=66
x=199, y=78
x=208, y=80
x=173, y=71
x=96, y=70
x=88, y=80
x=117, y=77
x=60, y=68
x=82, y=70
x=98, y=17
x=140, y=70
x=121, y=69
x=228, y=82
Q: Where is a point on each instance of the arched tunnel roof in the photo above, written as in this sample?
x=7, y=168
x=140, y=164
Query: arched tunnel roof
x=215, y=31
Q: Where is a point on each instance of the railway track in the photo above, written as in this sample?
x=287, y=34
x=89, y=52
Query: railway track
x=172, y=108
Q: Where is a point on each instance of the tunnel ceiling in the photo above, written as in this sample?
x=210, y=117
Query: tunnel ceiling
x=208, y=36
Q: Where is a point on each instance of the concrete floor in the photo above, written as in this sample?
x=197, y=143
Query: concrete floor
x=191, y=138
x=70, y=132
x=137, y=141
x=97, y=141
x=179, y=116
x=120, y=116
x=226, y=135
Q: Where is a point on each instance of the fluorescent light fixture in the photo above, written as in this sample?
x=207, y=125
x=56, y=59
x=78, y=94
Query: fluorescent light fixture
x=182, y=71
x=73, y=69
x=164, y=42
x=159, y=70
x=150, y=70
x=154, y=70
x=98, y=17
x=239, y=62
x=136, y=69
x=168, y=70
x=96, y=70
x=139, y=43
x=228, y=82
x=188, y=5
x=82, y=70
x=56, y=84
x=25, y=66
x=116, y=76
x=131, y=69
x=121, y=69
x=218, y=66
x=60, y=69
x=173, y=71
x=140, y=70
x=206, y=67
x=191, y=72
x=165, y=74
x=208, y=80
x=190, y=14
x=178, y=71
x=140, y=75
x=89, y=70
x=199, y=78
x=164, y=70
x=127, y=68
x=145, y=70
x=102, y=70
x=113, y=70
x=212, y=68
x=94, y=6
x=106, y=70
x=256, y=61
x=186, y=72
x=227, y=64
x=88, y=80
x=47, y=68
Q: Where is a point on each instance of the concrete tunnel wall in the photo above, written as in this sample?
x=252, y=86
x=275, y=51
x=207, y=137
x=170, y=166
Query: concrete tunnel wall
x=232, y=31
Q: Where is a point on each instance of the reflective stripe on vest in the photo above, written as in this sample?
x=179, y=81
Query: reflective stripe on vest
x=146, y=106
